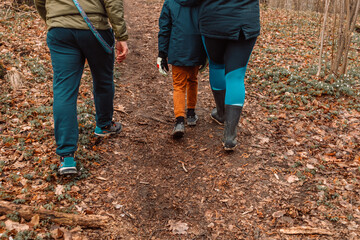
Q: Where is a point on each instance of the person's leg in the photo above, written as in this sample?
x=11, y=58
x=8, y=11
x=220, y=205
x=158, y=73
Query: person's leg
x=102, y=69
x=68, y=65
x=237, y=56
x=192, y=89
x=180, y=76
x=215, y=49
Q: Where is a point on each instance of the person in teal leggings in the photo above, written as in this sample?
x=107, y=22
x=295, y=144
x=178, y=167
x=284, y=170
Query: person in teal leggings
x=229, y=31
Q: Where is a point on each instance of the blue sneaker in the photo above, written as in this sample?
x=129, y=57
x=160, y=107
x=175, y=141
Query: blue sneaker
x=67, y=165
x=113, y=128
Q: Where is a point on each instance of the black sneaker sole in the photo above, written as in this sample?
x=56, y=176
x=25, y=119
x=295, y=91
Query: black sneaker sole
x=178, y=134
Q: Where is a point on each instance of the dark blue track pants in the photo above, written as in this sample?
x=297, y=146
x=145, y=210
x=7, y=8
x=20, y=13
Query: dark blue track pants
x=69, y=48
x=228, y=61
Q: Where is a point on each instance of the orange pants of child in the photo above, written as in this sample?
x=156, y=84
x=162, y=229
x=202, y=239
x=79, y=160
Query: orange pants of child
x=184, y=82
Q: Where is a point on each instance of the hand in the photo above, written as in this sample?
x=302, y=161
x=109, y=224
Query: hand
x=162, y=65
x=122, y=51
x=203, y=67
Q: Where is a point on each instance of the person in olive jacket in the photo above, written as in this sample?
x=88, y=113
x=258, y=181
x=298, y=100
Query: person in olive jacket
x=71, y=42
x=229, y=29
x=180, y=44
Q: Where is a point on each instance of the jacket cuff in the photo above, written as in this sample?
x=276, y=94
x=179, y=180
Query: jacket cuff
x=162, y=54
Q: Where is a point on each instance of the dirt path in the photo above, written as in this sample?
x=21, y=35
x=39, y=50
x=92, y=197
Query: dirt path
x=297, y=165
x=153, y=181
x=156, y=179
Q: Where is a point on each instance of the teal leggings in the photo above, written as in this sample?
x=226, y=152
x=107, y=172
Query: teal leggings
x=69, y=48
x=228, y=61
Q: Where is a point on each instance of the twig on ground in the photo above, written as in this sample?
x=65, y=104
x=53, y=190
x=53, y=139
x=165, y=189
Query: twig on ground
x=183, y=166
x=192, y=172
x=305, y=230
x=156, y=119
x=128, y=214
x=7, y=11
x=200, y=235
x=120, y=110
x=27, y=212
x=155, y=231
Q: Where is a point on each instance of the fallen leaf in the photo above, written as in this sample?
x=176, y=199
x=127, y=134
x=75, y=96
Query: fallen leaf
x=264, y=140
x=67, y=234
x=178, y=227
x=120, y=108
x=290, y=153
x=10, y=225
x=19, y=164
x=15, y=78
x=292, y=179
x=77, y=229
x=309, y=166
x=35, y=220
x=56, y=232
x=59, y=190
x=75, y=189
x=101, y=178
x=278, y=214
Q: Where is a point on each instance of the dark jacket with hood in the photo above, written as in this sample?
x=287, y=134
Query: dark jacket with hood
x=225, y=19
x=179, y=36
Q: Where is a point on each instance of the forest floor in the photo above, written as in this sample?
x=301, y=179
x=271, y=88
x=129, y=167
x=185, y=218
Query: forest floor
x=294, y=175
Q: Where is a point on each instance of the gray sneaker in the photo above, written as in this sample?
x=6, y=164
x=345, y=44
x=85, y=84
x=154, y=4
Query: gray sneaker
x=113, y=128
x=191, y=120
x=178, y=130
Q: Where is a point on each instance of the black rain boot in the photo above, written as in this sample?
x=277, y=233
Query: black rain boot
x=232, y=116
x=218, y=113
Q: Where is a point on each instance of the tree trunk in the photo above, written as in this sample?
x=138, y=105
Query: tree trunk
x=335, y=11
x=27, y=212
x=335, y=64
x=352, y=22
x=2, y=70
x=327, y=3
x=348, y=16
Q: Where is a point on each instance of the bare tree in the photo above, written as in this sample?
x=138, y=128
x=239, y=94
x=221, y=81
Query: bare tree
x=322, y=34
x=345, y=14
x=349, y=11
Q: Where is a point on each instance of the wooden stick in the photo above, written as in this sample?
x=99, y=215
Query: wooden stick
x=305, y=230
x=27, y=212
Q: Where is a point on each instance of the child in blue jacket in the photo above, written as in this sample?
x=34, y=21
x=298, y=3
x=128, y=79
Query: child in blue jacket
x=180, y=45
